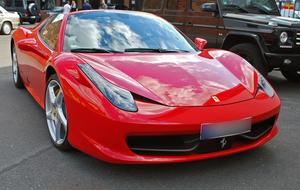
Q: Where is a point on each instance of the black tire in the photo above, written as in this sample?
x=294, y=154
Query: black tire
x=251, y=53
x=6, y=28
x=15, y=69
x=65, y=146
x=32, y=21
x=291, y=75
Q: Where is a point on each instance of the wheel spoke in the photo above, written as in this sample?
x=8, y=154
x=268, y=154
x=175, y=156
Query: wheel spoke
x=62, y=118
x=51, y=94
x=58, y=130
x=49, y=115
x=59, y=99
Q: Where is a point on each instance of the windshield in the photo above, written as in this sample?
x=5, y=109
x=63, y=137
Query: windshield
x=250, y=6
x=2, y=10
x=122, y=32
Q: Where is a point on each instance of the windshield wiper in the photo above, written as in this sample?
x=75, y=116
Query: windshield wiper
x=236, y=7
x=93, y=50
x=158, y=50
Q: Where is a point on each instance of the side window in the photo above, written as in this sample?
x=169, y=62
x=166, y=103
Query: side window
x=153, y=4
x=178, y=5
x=196, y=5
x=50, y=31
x=19, y=3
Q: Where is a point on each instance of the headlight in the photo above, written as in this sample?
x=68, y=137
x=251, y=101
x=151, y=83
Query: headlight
x=264, y=85
x=284, y=37
x=119, y=97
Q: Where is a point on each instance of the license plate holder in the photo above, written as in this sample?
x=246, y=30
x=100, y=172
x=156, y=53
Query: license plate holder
x=226, y=129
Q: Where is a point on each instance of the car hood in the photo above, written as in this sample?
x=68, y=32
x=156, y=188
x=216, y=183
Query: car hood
x=265, y=19
x=189, y=79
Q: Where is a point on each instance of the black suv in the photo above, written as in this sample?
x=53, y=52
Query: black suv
x=27, y=9
x=253, y=29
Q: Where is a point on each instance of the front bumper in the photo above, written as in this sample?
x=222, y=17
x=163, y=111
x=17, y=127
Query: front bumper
x=101, y=130
x=287, y=61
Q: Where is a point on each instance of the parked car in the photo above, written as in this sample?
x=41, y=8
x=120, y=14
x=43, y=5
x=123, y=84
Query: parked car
x=8, y=21
x=27, y=10
x=253, y=29
x=130, y=94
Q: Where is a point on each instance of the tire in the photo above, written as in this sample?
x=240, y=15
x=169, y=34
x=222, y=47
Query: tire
x=15, y=69
x=56, y=114
x=32, y=9
x=6, y=28
x=291, y=75
x=251, y=53
x=32, y=21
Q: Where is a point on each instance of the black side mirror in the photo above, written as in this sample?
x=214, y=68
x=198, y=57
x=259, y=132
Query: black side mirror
x=210, y=7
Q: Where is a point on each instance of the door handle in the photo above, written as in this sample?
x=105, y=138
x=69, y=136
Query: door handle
x=189, y=24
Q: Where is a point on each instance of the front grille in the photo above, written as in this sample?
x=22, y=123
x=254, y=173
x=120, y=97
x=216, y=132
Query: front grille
x=163, y=144
x=261, y=128
x=191, y=144
x=298, y=39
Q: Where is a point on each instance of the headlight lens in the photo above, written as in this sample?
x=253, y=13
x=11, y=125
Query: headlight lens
x=119, y=97
x=284, y=37
x=265, y=86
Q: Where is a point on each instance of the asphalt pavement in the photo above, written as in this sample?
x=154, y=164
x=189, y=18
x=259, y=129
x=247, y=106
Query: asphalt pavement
x=29, y=161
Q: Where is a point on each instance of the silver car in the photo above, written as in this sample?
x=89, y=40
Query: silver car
x=8, y=21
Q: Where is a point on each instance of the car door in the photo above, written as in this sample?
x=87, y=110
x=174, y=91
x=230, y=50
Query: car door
x=46, y=44
x=202, y=24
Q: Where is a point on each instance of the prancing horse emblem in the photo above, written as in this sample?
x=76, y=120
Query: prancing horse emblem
x=216, y=99
x=223, y=143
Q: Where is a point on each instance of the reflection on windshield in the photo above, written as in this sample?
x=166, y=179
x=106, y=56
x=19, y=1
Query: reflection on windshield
x=120, y=31
x=251, y=6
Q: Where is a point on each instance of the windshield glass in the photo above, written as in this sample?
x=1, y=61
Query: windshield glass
x=2, y=10
x=119, y=32
x=251, y=6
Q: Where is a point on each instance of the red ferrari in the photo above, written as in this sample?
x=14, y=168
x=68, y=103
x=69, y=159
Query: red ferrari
x=128, y=87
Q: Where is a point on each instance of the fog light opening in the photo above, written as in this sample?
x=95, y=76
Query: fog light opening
x=287, y=62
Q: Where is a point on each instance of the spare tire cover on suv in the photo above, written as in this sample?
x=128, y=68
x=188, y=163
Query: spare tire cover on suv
x=32, y=9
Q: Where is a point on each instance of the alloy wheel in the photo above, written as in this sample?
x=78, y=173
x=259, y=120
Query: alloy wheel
x=56, y=113
x=15, y=68
x=6, y=29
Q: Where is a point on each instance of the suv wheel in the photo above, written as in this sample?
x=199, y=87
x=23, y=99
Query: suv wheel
x=291, y=75
x=32, y=21
x=6, y=28
x=251, y=53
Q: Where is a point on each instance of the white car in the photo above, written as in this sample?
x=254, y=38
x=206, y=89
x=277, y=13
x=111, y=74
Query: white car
x=8, y=21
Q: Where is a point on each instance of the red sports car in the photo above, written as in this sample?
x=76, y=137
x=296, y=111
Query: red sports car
x=128, y=87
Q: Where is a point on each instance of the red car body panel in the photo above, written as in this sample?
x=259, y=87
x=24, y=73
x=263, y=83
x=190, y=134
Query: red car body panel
x=200, y=77
x=182, y=84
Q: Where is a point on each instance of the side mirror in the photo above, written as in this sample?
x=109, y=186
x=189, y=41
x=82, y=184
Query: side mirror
x=210, y=7
x=29, y=44
x=200, y=43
